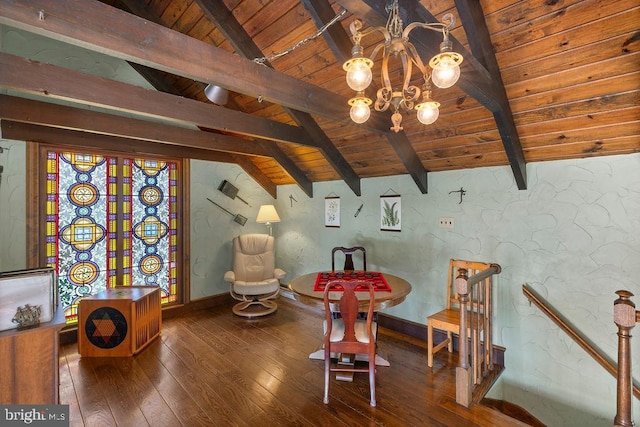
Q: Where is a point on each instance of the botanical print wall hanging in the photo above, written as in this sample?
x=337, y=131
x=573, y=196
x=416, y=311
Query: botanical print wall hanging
x=390, y=213
x=332, y=211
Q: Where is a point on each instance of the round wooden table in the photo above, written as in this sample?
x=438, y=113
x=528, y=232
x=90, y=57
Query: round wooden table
x=302, y=288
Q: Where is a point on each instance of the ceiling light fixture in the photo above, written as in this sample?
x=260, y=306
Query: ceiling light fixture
x=216, y=94
x=444, y=70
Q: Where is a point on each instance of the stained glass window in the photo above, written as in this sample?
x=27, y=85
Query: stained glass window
x=110, y=222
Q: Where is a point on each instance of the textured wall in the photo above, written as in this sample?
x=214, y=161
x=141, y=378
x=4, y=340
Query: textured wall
x=574, y=236
x=12, y=206
x=212, y=229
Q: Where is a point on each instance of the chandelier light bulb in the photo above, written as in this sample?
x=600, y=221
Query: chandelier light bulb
x=446, y=72
x=360, y=112
x=359, y=74
x=428, y=112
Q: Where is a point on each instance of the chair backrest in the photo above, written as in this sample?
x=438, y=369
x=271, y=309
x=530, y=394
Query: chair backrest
x=472, y=268
x=253, y=257
x=348, y=257
x=348, y=306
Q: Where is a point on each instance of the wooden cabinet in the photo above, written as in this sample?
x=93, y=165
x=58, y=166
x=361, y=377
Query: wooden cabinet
x=29, y=363
x=119, y=322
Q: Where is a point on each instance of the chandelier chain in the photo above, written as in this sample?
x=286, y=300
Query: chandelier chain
x=263, y=60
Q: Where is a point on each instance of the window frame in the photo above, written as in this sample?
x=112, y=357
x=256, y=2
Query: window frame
x=36, y=206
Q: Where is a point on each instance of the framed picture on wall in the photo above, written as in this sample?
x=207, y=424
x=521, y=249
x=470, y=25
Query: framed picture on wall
x=390, y=213
x=332, y=212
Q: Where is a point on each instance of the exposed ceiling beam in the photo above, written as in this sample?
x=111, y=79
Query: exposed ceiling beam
x=155, y=78
x=104, y=143
x=54, y=82
x=83, y=140
x=336, y=37
x=134, y=39
x=236, y=35
x=473, y=21
x=48, y=114
x=289, y=166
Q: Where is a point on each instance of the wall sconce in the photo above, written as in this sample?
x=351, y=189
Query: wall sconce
x=266, y=215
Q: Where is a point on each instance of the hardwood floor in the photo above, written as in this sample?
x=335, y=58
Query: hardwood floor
x=211, y=368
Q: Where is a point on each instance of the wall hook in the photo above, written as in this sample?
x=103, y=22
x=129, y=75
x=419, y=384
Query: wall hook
x=461, y=191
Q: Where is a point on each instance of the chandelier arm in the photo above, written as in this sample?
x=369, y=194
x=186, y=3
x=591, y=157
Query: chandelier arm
x=448, y=21
x=407, y=68
x=413, y=54
x=386, y=80
x=357, y=33
x=375, y=51
x=434, y=26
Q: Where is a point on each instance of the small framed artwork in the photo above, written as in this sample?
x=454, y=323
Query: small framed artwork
x=390, y=213
x=332, y=212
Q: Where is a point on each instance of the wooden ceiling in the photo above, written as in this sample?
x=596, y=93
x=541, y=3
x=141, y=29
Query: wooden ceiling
x=540, y=81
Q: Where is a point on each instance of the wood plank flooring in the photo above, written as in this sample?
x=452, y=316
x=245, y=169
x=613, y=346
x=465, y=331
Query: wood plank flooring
x=211, y=368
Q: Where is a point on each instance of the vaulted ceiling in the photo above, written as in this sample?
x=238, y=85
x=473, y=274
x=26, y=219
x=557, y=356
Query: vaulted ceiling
x=540, y=81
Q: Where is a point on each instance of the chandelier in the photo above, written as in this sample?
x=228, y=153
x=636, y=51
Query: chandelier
x=443, y=71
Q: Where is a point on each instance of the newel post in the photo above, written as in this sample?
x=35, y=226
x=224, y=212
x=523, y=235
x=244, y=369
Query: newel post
x=625, y=317
x=463, y=371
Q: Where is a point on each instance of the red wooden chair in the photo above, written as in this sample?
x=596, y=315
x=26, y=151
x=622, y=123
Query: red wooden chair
x=349, y=334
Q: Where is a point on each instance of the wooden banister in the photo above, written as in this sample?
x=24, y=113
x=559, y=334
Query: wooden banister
x=608, y=364
x=625, y=317
x=474, y=291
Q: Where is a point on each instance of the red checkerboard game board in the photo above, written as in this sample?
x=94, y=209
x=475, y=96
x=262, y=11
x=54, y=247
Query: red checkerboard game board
x=376, y=278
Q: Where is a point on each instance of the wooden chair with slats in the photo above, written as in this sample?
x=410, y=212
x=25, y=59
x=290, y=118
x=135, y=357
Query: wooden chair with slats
x=448, y=320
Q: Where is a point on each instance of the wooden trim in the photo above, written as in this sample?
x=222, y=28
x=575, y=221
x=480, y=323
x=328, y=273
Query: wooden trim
x=184, y=239
x=34, y=205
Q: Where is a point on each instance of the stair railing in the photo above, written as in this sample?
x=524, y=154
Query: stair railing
x=624, y=310
x=625, y=317
x=476, y=352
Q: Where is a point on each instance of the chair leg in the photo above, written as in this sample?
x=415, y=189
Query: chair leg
x=327, y=366
x=450, y=344
x=372, y=379
x=429, y=345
